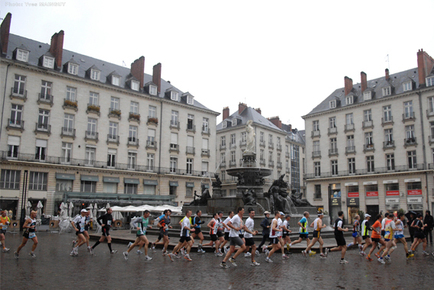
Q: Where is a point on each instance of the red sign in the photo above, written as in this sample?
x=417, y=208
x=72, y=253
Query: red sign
x=372, y=193
x=392, y=193
x=353, y=194
x=414, y=192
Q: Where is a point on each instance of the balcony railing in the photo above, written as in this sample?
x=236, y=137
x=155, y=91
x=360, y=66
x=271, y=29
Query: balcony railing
x=349, y=127
x=190, y=150
x=67, y=132
x=279, y=147
x=223, y=164
x=315, y=133
x=408, y=117
x=368, y=124
x=174, y=147
x=134, y=117
x=70, y=104
x=191, y=128
x=232, y=163
x=15, y=95
x=91, y=135
x=243, y=143
x=45, y=99
x=174, y=124
x=316, y=154
x=332, y=130
x=410, y=142
x=97, y=164
x=262, y=162
x=152, y=121
x=350, y=149
x=377, y=170
x=389, y=144
x=115, y=113
x=333, y=151
x=43, y=128
x=262, y=143
x=112, y=139
x=205, y=152
x=387, y=121
x=93, y=109
x=368, y=147
x=133, y=141
x=270, y=145
x=222, y=146
x=206, y=130
x=279, y=165
x=15, y=124
x=151, y=144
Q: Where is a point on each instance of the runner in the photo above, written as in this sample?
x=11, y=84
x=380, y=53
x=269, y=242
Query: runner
x=419, y=235
x=141, y=224
x=339, y=237
x=376, y=238
x=160, y=236
x=286, y=240
x=357, y=239
x=164, y=225
x=389, y=228
x=304, y=234
x=236, y=225
x=399, y=234
x=197, y=230
x=366, y=228
x=317, y=226
x=274, y=236
x=226, y=231
x=220, y=234
x=29, y=233
x=4, y=222
x=86, y=229
x=185, y=240
x=105, y=221
x=265, y=224
x=213, y=224
x=248, y=236
x=79, y=224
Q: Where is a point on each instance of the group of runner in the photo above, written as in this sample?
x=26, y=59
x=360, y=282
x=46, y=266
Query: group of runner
x=232, y=236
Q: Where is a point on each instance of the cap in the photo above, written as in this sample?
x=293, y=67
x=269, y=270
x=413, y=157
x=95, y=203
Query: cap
x=287, y=216
x=281, y=213
x=320, y=213
x=266, y=212
x=367, y=215
x=83, y=210
x=219, y=212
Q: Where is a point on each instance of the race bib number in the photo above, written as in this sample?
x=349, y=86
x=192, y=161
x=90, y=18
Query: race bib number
x=109, y=223
x=32, y=235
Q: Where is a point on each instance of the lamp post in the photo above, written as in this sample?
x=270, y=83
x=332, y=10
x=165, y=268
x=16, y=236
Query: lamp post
x=23, y=200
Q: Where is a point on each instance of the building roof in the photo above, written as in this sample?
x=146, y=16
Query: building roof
x=375, y=85
x=37, y=49
x=248, y=114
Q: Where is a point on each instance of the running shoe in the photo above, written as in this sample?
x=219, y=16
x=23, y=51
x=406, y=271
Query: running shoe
x=164, y=253
x=72, y=254
x=129, y=245
x=89, y=249
x=326, y=253
x=183, y=252
x=369, y=258
x=362, y=253
x=387, y=258
x=224, y=266
x=233, y=262
x=219, y=254
x=425, y=253
x=254, y=263
x=187, y=257
x=285, y=256
x=377, y=255
x=171, y=256
x=257, y=253
x=322, y=255
x=32, y=255
x=343, y=262
x=267, y=252
x=16, y=255
x=5, y=250
x=381, y=261
x=225, y=249
x=246, y=255
x=394, y=247
x=76, y=251
x=139, y=252
x=411, y=255
x=268, y=260
x=147, y=258
x=304, y=253
x=360, y=248
x=125, y=255
x=311, y=253
x=288, y=246
x=113, y=252
x=203, y=251
x=153, y=247
x=74, y=242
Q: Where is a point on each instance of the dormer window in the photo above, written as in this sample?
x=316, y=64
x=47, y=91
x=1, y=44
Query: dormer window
x=153, y=90
x=225, y=124
x=72, y=68
x=174, y=96
x=95, y=74
x=234, y=122
x=407, y=86
x=349, y=100
x=48, y=62
x=332, y=104
x=22, y=55
x=387, y=91
x=135, y=85
x=367, y=96
x=116, y=80
x=190, y=100
x=430, y=81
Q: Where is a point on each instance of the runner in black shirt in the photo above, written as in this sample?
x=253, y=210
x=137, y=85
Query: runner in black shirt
x=105, y=221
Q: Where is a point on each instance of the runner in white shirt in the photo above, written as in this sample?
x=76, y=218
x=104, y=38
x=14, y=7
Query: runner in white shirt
x=79, y=224
x=286, y=240
x=399, y=234
x=185, y=239
x=213, y=226
x=226, y=232
x=274, y=236
x=317, y=227
x=248, y=236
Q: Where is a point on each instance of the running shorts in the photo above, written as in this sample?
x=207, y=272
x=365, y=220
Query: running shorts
x=236, y=241
x=249, y=242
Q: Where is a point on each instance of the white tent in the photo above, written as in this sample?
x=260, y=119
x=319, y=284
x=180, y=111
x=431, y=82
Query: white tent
x=39, y=209
x=28, y=208
x=141, y=208
x=71, y=207
x=90, y=209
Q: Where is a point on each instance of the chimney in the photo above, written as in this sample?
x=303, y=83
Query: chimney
x=276, y=121
x=425, y=64
x=4, y=34
x=259, y=111
x=387, y=74
x=156, y=76
x=138, y=70
x=56, y=47
x=364, y=81
x=241, y=107
x=348, y=85
x=225, y=113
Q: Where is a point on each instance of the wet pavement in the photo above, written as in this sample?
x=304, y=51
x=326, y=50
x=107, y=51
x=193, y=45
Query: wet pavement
x=53, y=268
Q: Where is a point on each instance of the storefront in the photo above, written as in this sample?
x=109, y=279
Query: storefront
x=371, y=197
x=391, y=188
x=334, y=200
x=414, y=195
x=11, y=205
x=352, y=200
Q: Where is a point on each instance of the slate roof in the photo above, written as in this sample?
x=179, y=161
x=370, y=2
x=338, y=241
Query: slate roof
x=375, y=85
x=37, y=49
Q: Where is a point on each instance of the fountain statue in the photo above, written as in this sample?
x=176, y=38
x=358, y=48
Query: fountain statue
x=250, y=138
x=200, y=200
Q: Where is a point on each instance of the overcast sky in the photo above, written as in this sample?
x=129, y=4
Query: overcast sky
x=282, y=56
